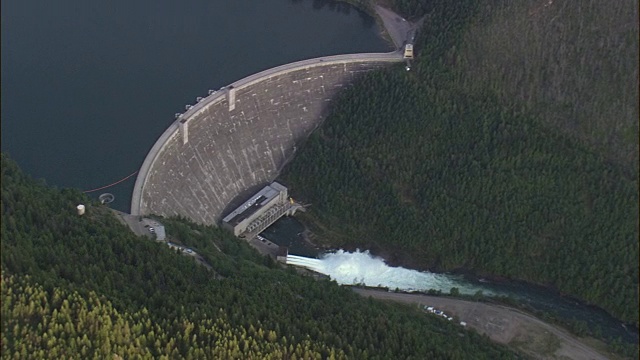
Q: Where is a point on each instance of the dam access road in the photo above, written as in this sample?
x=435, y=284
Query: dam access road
x=398, y=28
x=502, y=324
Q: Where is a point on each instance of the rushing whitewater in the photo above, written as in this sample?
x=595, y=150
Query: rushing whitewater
x=348, y=268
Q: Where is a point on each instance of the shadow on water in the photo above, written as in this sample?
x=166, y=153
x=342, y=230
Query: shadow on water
x=289, y=232
x=342, y=8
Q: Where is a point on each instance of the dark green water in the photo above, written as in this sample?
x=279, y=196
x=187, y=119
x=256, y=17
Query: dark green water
x=88, y=86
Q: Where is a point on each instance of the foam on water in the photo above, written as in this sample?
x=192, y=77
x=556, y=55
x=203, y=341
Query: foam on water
x=350, y=268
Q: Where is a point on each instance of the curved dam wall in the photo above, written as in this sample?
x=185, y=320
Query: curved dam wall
x=236, y=140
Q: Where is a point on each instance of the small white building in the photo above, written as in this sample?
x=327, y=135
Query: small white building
x=160, y=233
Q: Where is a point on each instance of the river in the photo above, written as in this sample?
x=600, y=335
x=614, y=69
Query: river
x=360, y=267
x=88, y=86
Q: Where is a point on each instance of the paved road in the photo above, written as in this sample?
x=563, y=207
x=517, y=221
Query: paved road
x=134, y=223
x=264, y=247
x=396, y=26
x=399, y=29
x=502, y=324
x=138, y=227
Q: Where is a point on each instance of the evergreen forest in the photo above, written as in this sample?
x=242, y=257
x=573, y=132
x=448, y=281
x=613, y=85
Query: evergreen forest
x=85, y=287
x=509, y=150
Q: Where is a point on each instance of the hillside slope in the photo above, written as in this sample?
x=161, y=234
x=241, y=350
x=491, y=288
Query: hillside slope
x=573, y=63
x=86, y=287
x=446, y=167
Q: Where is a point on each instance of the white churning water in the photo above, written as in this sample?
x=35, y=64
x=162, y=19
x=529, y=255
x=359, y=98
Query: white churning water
x=350, y=268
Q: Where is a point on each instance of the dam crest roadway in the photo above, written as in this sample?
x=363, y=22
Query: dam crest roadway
x=239, y=138
x=236, y=140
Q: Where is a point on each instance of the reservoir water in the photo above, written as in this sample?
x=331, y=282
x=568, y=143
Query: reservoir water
x=88, y=86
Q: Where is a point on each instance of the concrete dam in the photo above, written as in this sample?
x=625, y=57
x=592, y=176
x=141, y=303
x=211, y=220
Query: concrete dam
x=236, y=140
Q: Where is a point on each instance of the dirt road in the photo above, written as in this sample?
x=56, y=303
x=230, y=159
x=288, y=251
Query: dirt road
x=503, y=325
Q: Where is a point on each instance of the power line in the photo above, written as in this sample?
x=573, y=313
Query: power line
x=115, y=183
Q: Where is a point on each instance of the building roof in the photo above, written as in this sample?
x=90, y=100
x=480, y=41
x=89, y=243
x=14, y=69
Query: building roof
x=252, y=205
x=160, y=233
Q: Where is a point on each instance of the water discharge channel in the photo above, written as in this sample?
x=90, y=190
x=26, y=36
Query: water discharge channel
x=362, y=268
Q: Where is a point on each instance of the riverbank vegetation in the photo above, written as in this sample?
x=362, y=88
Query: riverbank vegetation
x=509, y=149
x=86, y=287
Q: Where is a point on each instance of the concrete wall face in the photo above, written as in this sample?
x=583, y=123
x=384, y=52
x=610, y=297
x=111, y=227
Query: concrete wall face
x=231, y=154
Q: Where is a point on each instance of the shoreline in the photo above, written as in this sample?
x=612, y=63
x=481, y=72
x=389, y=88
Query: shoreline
x=312, y=239
x=502, y=324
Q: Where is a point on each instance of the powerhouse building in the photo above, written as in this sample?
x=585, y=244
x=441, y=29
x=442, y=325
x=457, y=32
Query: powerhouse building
x=260, y=211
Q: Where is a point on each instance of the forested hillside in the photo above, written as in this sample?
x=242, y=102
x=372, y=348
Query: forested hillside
x=573, y=63
x=495, y=153
x=86, y=287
